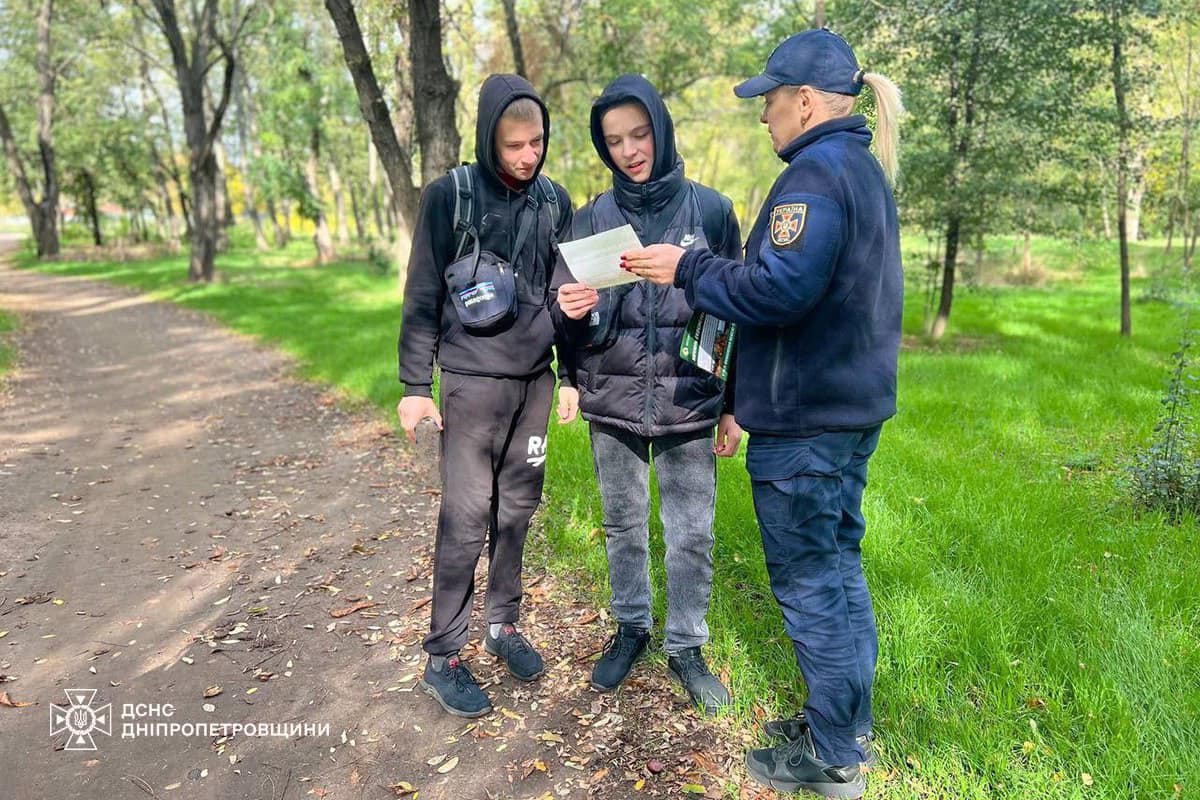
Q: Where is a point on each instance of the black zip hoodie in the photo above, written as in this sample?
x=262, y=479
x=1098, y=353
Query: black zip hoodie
x=430, y=325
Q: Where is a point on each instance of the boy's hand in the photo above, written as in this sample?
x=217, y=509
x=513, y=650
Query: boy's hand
x=577, y=299
x=568, y=404
x=414, y=409
x=729, y=437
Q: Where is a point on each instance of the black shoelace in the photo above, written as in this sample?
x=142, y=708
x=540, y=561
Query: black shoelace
x=794, y=751
x=463, y=679
x=517, y=643
x=618, y=645
x=690, y=668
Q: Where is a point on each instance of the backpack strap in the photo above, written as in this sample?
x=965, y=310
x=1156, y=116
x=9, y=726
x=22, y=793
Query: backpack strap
x=464, y=208
x=551, y=197
x=714, y=210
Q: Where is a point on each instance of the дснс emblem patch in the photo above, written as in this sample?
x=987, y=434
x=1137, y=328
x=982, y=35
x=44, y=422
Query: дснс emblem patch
x=787, y=223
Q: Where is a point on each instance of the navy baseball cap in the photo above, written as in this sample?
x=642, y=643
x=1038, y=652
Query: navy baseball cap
x=818, y=58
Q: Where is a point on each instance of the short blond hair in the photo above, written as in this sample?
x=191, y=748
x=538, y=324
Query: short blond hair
x=523, y=109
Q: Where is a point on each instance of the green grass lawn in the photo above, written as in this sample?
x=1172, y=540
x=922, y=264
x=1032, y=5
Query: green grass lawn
x=7, y=323
x=1038, y=638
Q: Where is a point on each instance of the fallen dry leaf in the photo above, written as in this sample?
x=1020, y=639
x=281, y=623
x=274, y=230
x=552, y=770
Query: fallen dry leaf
x=212, y=691
x=5, y=700
x=417, y=606
x=403, y=789
x=338, y=613
x=449, y=765
x=1086, y=778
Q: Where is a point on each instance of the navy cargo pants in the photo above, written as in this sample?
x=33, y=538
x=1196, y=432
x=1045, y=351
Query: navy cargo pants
x=808, y=499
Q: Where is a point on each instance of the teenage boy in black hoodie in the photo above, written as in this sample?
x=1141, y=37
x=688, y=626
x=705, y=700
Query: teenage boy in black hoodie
x=496, y=387
x=643, y=401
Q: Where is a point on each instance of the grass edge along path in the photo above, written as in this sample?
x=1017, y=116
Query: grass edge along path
x=8, y=352
x=1037, y=638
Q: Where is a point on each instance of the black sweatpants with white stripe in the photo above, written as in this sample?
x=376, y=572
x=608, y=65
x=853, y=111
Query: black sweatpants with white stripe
x=493, y=465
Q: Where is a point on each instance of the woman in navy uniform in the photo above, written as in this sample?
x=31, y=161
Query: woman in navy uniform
x=818, y=303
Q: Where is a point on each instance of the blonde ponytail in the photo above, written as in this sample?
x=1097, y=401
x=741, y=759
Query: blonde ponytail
x=888, y=110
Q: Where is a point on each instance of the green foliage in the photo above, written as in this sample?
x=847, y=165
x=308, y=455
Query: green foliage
x=1165, y=476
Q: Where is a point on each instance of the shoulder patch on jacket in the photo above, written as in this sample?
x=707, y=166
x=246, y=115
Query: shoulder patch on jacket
x=787, y=223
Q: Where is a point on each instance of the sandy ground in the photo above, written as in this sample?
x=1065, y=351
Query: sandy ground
x=183, y=524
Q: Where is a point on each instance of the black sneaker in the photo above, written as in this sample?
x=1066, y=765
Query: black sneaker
x=621, y=652
x=789, y=730
x=705, y=689
x=794, y=765
x=522, y=660
x=455, y=688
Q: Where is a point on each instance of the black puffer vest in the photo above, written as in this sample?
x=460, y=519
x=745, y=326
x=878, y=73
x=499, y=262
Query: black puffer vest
x=629, y=372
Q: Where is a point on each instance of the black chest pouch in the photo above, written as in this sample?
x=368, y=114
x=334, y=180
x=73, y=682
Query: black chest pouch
x=484, y=291
x=483, y=286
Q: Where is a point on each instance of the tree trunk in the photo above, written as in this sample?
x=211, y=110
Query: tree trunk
x=434, y=92
x=322, y=239
x=249, y=148
x=1123, y=165
x=165, y=167
x=819, y=14
x=285, y=205
x=356, y=209
x=1185, y=164
x=192, y=62
x=224, y=203
x=339, y=204
x=43, y=212
x=89, y=203
x=47, y=77
x=1137, y=190
x=514, y=37
x=260, y=238
x=170, y=221
x=206, y=225
x=961, y=134
x=396, y=162
x=1027, y=254
x=953, y=231
x=281, y=236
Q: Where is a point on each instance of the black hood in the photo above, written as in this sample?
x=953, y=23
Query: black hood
x=496, y=94
x=666, y=173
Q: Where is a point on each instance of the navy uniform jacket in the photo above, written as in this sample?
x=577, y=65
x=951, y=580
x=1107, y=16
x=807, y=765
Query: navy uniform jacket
x=820, y=297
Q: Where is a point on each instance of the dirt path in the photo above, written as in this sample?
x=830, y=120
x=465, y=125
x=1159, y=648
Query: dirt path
x=179, y=517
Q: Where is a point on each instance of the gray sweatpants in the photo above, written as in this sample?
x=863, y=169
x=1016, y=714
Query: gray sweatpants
x=493, y=465
x=686, y=471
